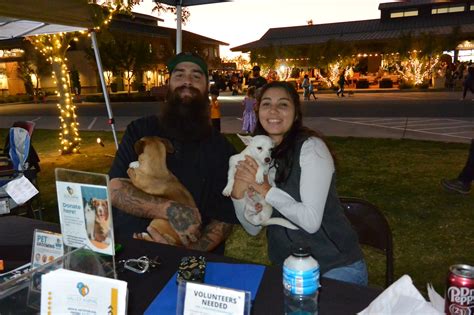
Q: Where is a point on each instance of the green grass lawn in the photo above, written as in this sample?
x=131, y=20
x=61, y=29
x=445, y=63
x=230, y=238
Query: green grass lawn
x=432, y=229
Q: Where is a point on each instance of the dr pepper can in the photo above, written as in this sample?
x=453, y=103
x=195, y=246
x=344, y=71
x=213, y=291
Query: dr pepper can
x=460, y=290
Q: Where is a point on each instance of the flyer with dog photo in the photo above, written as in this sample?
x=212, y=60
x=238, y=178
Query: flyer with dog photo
x=86, y=217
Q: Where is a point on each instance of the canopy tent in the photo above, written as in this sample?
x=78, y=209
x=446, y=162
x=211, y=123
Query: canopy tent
x=184, y=3
x=21, y=18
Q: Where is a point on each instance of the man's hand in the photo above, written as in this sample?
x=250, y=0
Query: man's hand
x=186, y=221
x=213, y=234
x=156, y=236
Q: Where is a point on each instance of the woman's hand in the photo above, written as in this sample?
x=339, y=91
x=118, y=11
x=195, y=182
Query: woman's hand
x=238, y=191
x=246, y=172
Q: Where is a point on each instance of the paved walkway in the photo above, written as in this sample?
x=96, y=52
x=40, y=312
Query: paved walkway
x=404, y=115
x=446, y=130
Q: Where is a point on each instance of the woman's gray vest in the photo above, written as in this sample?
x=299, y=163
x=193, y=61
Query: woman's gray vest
x=335, y=244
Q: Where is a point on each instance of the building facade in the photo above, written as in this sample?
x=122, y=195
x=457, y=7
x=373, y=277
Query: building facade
x=412, y=24
x=124, y=32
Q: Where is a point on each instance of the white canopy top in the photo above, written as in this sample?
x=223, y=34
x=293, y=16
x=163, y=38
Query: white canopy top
x=11, y=28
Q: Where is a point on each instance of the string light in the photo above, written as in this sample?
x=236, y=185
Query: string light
x=54, y=47
x=415, y=70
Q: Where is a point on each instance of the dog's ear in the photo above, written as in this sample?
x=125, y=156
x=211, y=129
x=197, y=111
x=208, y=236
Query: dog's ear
x=245, y=139
x=139, y=145
x=169, y=147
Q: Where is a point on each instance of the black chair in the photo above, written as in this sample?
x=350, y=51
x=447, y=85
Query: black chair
x=372, y=228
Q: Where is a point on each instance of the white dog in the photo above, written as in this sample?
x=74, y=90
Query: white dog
x=260, y=149
x=89, y=213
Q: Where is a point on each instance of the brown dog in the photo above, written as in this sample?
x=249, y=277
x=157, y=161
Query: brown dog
x=151, y=175
x=102, y=221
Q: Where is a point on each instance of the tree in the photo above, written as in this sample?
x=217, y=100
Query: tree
x=451, y=41
x=33, y=63
x=130, y=56
x=54, y=48
x=404, y=45
x=162, y=8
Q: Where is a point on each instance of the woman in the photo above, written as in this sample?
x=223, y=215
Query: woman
x=300, y=187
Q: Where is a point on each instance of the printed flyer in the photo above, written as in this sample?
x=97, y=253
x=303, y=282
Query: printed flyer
x=70, y=292
x=86, y=216
x=47, y=246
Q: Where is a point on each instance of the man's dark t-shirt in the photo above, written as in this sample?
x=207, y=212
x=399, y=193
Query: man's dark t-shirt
x=258, y=82
x=201, y=166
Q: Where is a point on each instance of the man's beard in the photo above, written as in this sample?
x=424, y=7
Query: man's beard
x=186, y=118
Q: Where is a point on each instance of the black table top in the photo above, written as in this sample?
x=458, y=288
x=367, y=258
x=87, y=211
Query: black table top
x=336, y=297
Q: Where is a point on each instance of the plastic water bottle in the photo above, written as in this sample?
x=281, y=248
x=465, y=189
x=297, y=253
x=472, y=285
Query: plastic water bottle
x=301, y=283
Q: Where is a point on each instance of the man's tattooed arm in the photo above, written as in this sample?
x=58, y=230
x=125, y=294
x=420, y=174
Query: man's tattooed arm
x=134, y=201
x=185, y=220
x=212, y=235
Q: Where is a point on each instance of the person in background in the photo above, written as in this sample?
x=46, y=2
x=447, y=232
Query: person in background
x=305, y=86
x=462, y=183
x=248, y=118
x=257, y=80
x=342, y=81
x=301, y=187
x=200, y=161
x=311, y=90
x=468, y=83
x=215, y=109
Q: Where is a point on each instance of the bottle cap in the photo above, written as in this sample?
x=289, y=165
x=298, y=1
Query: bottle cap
x=301, y=252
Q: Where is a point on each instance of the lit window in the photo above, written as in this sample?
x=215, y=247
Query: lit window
x=396, y=15
x=472, y=7
x=441, y=10
x=403, y=14
x=448, y=9
x=411, y=13
x=456, y=9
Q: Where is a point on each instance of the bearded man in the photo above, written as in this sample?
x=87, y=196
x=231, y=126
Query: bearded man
x=200, y=162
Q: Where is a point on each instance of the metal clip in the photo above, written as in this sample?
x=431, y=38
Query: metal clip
x=139, y=265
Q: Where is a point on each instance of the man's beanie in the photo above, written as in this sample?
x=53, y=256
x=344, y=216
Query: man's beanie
x=190, y=57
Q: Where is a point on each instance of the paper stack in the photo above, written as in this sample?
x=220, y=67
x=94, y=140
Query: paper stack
x=403, y=298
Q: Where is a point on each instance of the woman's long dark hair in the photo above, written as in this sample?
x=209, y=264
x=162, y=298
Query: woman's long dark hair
x=283, y=154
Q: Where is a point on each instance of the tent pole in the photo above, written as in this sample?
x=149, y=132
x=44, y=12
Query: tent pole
x=95, y=46
x=178, y=28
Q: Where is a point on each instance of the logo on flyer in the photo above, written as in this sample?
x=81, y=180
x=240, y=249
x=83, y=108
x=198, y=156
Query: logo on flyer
x=70, y=194
x=70, y=190
x=83, y=289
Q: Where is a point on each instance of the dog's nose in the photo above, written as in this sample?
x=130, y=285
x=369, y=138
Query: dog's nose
x=267, y=160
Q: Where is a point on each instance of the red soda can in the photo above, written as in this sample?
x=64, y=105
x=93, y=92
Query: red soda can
x=460, y=290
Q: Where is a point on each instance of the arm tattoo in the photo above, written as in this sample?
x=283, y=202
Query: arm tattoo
x=134, y=201
x=212, y=235
x=180, y=216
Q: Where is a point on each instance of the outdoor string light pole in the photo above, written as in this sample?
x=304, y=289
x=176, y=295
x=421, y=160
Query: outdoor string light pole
x=179, y=4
